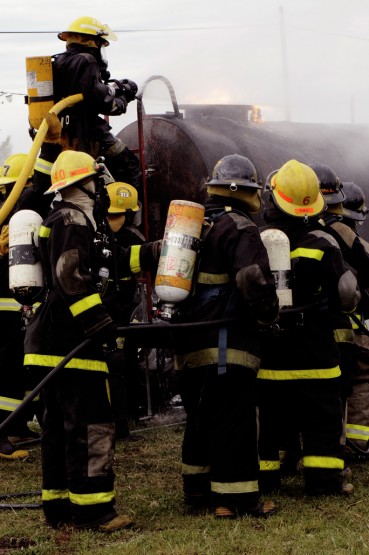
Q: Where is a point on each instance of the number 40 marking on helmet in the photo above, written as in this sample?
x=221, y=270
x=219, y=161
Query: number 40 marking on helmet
x=59, y=175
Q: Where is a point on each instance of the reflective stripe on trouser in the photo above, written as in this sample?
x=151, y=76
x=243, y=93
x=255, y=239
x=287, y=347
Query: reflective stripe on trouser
x=357, y=432
x=78, y=448
x=312, y=408
x=219, y=450
x=8, y=404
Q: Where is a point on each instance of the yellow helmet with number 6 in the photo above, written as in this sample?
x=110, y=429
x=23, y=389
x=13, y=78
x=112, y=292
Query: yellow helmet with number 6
x=71, y=167
x=123, y=198
x=89, y=26
x=295, y=190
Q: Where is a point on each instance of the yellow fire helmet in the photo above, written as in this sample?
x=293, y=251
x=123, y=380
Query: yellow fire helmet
x=123, y=197
x=11, y=169
x=295, y=190
x=89, y=26
x=70, y=167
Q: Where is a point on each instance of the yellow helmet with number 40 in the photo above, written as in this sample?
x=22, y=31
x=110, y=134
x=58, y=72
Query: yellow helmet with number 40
x=295, y=190
x=70, y=167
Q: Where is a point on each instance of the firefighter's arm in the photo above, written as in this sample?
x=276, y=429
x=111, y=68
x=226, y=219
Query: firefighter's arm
x=338, y=272
x=259, y=293
x=254, y=278
x=138, y=258
x=99, y=97
x=70, y=254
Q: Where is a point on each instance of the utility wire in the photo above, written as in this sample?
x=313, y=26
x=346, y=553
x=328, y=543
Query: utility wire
x=205, y=28
x=169, y=29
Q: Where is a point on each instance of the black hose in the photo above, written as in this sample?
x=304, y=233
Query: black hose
x=42, y=383
x=20, y=505
x=359, y=324
x=124, y=330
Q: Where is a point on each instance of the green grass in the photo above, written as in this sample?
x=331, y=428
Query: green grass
x=148, y=484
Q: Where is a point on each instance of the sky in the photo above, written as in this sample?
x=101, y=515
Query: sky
x=302, y=60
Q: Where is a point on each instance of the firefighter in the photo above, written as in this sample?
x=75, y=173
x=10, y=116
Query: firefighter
x=299, y=378
x=120, y=300
x=13, y=386
x=334, y=196
x=31, y=198
x=217, y=368
x=356, y=253
x=78, y=429
x=82, y=68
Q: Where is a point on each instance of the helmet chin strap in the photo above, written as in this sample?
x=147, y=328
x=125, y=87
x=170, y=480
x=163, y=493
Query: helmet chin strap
x=90, y=194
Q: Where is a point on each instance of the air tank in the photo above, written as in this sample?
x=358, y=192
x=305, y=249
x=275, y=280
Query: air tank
x=25, y=270
x=40, y=89
x=277, y=246
x=179, y=250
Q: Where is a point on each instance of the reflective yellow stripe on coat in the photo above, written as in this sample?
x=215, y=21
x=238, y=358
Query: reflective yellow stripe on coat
x=305, y=374
x=134, y=261
x=9, y=404
x=317, y=254
x=51, y=361
x=9, y=304
x=205, y=357
x=85, y=304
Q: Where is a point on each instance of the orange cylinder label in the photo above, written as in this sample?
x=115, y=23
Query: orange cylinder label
x=180, y=245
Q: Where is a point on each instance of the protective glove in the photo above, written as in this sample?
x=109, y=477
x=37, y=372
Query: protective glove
x=129, y=89
x=150, y=254
x=119, y=106
x=4, y=240
x=156, y=249
x=53, y=134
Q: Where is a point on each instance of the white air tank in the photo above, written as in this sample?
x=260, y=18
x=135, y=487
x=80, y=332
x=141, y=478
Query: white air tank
x=25, y=271
x=277, y=245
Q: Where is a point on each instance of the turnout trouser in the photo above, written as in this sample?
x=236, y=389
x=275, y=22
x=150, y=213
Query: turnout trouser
x=219, y=452
x=78, y=449
x=314, y=408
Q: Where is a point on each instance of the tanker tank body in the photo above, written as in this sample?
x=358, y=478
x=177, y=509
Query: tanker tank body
x=182, y=149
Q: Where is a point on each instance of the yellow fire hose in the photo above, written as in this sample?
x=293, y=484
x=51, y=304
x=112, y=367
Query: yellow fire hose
x=32, y=155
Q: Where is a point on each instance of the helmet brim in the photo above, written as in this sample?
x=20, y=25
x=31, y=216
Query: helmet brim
x=7, y=181
x=353, y=215
x=59, y=185
x=114, y=210
x=333, y=198
x=310, y=210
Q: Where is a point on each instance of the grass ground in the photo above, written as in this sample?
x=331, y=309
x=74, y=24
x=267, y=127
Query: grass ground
x=148, y=485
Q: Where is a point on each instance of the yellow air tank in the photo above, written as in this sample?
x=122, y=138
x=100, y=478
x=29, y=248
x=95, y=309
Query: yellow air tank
x=178, y=255
x=40, y=88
